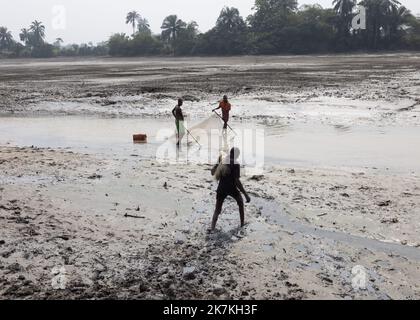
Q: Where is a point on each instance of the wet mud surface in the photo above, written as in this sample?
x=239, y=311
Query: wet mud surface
x=122, y=225
x=129, y=229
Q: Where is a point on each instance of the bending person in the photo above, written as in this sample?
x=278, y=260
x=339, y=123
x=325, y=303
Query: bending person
x=228, y=173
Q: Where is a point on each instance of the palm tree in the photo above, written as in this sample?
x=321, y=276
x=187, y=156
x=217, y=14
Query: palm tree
x=397, y=17
x=24, y=35
x=38, y=30
x=377, y=18
x=344, y=10
x=143, y=26
x=344, y=7
x=391, y=3
x=6, y=38
x=132, y=18
x=230, y=20
x=171, y=27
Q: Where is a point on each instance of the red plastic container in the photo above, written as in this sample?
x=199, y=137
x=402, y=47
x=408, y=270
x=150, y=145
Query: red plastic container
x=140, y=138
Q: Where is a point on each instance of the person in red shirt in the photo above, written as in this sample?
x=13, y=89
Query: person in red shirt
x=226, y=107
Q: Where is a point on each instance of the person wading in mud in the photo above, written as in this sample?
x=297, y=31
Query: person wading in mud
x=179, y=121
x=227, y=171
x=226, y=107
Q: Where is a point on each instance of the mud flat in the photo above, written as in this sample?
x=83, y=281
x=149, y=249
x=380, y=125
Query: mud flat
x=376, y=89
x=133, y=230
x=79, y=222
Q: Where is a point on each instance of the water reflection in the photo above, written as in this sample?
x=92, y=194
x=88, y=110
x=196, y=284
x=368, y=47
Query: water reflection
x=340, y=145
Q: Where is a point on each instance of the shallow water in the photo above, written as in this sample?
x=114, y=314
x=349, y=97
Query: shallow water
x=303, y=145
x=271, y=210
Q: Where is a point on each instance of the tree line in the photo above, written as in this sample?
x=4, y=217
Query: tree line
x=275, y=27
x=32, y=44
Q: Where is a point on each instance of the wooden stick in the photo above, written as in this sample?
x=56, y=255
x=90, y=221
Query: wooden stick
x=135, y=217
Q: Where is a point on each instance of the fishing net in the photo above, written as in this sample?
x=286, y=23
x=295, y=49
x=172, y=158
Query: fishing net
x=209, y=143
x=209, y=138
x=211, y=123
x=208, y=125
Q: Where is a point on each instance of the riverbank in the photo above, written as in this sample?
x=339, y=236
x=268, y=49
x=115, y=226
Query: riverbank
x=123, y=229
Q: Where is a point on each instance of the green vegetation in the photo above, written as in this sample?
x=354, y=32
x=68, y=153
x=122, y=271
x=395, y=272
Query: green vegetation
x=276, y=27
x=32, y=44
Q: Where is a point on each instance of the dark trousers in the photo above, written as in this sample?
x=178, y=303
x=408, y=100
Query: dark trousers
x=225, y=119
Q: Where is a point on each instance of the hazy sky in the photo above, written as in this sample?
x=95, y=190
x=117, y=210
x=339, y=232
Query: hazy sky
x=96, y=20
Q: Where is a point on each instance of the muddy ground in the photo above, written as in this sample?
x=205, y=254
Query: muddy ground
x=144, y=234
x=384, y=88
x=80, y=225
